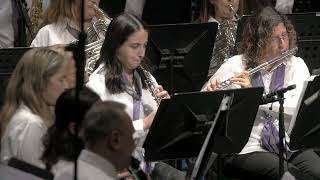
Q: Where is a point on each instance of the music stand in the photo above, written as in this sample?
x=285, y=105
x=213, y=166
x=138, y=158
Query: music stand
x=305, y=6
x=181, y=54
x=113, y=8
x=182, y=122
x=9, y=57
x=309, y=51
x=307, y=25
x=166, y=12
x=305, y=126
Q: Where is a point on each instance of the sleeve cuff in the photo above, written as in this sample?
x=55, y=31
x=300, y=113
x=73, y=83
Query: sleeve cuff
x=138, y=124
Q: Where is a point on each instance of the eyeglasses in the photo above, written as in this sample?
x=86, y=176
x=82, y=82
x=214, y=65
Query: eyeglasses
x=277, y=39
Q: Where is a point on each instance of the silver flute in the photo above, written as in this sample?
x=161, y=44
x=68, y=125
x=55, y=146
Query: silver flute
x=277, y=60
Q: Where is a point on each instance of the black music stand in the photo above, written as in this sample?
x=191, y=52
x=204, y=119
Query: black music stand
x=309, y=51
x=181, y=54
x=113, y=7
x=300, y=6
x=181, y=124
x=166, y=12
x=307, y=25
x=305, y=129
x=9, y=57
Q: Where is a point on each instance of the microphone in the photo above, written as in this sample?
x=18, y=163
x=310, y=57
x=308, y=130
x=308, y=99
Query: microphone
x=272, y=96
x=281, y=91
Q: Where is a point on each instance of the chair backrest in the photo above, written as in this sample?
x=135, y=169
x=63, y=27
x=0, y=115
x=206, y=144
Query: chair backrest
x=10, y=173
x=9, y=57
x=31, y=169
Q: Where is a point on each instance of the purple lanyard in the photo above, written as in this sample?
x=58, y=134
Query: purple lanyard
x=136, y=109
x=276, y=82
x=270, y=134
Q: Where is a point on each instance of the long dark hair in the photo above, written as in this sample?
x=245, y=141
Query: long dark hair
x=117, y=33
x=258, y=31
x=59, y=141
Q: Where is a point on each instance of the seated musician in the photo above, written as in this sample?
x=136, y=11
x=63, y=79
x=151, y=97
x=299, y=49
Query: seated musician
x=34, y=86
x=109, y=142
x=60, y=149
x=62, y=22
x=120, y=78
x=225, y=14
x=266, y=37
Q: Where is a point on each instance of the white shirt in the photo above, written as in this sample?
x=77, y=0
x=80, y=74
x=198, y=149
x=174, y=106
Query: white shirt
x=6, y=28
x=97, y=84
x=134, y=7
x=90, y=166
x=296, y=72
x=52, y=34
x=60, y=166
x=284, y=6
x=22, y=137
x=10, y=173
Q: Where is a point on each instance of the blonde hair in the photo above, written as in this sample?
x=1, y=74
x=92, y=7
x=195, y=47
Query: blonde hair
x=28, y=83
x=62, y=50
x=58, y=10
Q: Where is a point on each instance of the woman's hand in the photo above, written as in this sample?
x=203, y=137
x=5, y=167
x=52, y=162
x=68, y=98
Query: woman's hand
x=213, y=85
x=125, y=174
x=162, y=94
x=243, y=79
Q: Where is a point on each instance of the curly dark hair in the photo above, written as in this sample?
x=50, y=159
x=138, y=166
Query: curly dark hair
x=257, y=33
x=59, y=142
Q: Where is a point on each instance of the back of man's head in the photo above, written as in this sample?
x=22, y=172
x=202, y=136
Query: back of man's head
x=108, y=131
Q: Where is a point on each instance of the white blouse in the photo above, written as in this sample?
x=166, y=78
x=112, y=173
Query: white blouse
x=53, y=34
x=296, y=72
x=91, y=166
x=22, y=137
x=97, y=84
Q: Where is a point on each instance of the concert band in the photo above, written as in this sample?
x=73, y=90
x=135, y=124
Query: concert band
x=99, y=130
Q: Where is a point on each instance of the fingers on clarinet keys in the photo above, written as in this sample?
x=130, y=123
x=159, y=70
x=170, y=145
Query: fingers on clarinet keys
x=213, y=85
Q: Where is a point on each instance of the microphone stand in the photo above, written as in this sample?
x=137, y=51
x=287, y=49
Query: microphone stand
x=281, y=134
x=80, y=62
x=273, y=97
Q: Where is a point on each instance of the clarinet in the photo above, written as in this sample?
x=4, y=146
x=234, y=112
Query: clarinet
x=135, y=169
x=152, y=87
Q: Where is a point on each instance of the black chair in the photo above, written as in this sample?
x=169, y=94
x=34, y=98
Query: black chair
x=9, y=57
x=31, y=169
x=10, y=173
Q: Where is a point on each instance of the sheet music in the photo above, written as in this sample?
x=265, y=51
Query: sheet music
x=294, y=116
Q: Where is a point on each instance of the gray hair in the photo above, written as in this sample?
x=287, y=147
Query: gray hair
x=101, y=119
